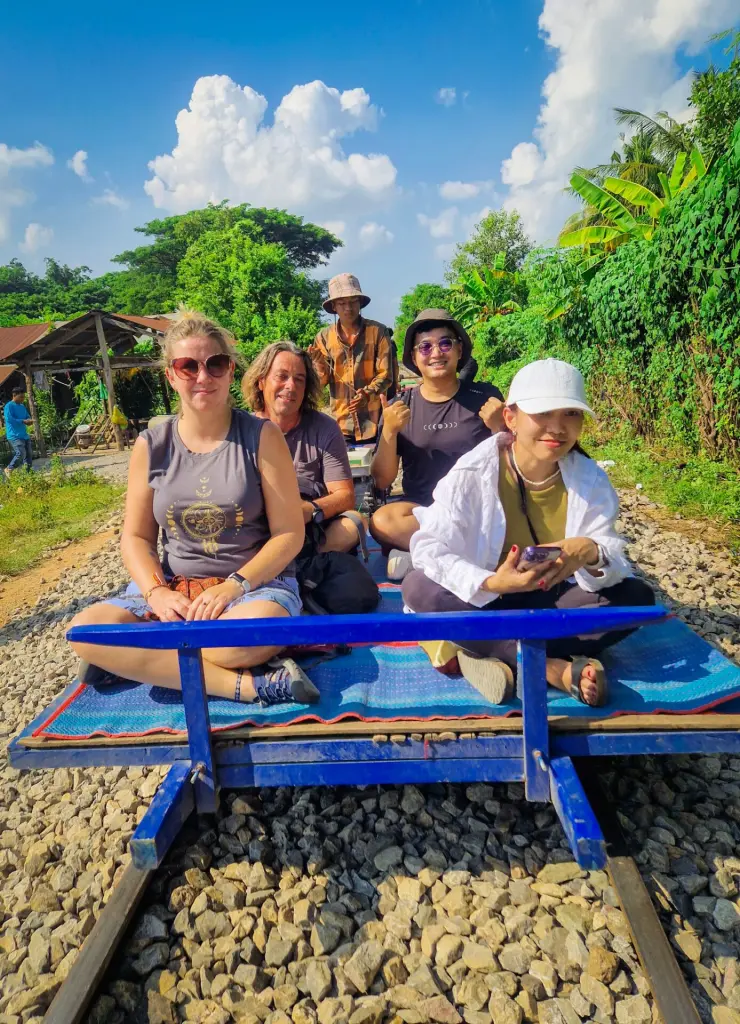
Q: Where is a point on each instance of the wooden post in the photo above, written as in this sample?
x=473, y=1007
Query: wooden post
x=108, y=375
x=40, y=443
x=165, y=394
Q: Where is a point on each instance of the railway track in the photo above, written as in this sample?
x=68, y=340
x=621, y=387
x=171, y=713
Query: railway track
x=667, y=982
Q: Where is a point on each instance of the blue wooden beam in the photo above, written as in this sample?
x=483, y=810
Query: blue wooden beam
x=578, y=820
x=368, y=629
x=531, y=661
x=169, y=810
x=362, y=773
x=606, y=744
x=198, y=722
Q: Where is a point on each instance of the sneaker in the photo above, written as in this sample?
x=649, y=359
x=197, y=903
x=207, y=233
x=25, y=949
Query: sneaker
x=283, y=681
x=492, y=678
x=399, y=563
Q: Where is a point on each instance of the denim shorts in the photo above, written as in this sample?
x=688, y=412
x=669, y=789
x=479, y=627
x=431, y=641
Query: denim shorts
x=283, y=590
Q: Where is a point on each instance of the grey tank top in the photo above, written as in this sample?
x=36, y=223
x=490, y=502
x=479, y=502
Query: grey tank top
x=210, y=508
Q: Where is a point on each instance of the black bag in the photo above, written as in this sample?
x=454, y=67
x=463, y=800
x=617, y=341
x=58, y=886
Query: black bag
x=332, y=582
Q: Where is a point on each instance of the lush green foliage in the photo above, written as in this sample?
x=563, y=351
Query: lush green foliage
x=715, y=98
x=499, y=231
x=150, y=284
x=40, y=510
x=492, y=291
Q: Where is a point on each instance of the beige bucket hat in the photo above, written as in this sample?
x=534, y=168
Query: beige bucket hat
x=345, y=286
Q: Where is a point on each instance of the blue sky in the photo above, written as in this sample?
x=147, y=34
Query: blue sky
x=529, y=86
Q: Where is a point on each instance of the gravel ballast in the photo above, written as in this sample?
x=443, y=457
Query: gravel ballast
x=404, y=904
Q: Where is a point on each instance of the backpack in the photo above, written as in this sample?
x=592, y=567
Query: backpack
x=333, y=582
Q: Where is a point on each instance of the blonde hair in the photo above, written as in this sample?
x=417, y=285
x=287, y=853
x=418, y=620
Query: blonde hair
x=262, y=365
x=191, y=324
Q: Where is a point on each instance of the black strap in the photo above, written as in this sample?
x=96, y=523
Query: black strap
x=523, y=502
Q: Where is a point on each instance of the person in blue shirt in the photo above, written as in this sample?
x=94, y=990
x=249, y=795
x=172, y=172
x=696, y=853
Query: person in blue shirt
x=17, y=418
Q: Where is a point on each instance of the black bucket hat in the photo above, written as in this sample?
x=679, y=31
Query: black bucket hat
x=427, y=319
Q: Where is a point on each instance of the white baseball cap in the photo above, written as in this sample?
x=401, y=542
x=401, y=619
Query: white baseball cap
x=548, y=384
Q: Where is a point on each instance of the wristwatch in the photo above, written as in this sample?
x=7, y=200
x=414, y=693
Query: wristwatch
x=317, y=516
x=241, y=580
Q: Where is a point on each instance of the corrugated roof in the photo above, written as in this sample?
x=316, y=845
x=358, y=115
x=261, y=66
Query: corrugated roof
x=152, y=322
x=13, y=339
x=7, y=371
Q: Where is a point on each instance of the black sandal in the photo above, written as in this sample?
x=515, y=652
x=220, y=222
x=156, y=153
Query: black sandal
x=576, y=674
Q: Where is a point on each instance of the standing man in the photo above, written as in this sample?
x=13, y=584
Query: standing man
x=429, y=428
x=17, y=419
x=353, y=356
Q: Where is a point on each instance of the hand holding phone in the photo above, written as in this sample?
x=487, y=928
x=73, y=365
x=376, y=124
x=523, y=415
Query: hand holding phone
x=537, y=555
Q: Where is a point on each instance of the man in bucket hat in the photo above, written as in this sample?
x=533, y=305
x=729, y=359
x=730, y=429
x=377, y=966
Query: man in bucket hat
x=429, y=428
x=354, y=357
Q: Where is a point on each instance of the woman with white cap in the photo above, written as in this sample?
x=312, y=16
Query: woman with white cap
x=526, y=520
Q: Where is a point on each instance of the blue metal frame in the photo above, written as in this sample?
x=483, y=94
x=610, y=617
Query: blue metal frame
x=200, y=763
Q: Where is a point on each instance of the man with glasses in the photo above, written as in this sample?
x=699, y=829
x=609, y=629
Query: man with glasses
x=428, y=429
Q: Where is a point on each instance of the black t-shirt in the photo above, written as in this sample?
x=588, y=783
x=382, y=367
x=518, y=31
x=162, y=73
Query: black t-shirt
x=438, y=434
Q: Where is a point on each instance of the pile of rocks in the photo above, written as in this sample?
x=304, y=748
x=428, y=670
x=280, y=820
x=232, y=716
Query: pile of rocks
x=408, y=905
x=398, y=904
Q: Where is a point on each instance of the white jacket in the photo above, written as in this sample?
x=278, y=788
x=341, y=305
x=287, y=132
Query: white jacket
x=462, y=533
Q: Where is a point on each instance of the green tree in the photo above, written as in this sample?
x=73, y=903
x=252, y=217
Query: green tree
x=493, y=291
x=499, y=231
x=230, y=276
x=715, y=97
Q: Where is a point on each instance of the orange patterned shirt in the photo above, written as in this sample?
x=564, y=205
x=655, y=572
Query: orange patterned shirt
x=346, y=368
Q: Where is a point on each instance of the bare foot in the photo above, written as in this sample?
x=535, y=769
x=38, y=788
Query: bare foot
x=559, y=675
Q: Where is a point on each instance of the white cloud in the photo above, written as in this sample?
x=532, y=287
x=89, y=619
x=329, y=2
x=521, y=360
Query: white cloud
x=13, y=160
x=78, y=164
x=441, y=226
x=335, y=227
x=373, y=235
x=225, y=151
x=445, y=251
x=522, y=166
x=447, y=97
x=36, y=237
x=458, y=191
x=111, y=198
x=607, y=55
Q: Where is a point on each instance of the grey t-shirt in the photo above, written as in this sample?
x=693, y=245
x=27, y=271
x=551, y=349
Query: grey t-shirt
x=319, y=454
x=438, y=434
x=209, y=507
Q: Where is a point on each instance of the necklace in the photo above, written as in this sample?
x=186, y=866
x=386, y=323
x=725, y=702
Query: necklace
x=532, y=483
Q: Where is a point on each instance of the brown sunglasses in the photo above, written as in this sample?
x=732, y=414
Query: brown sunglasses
x=188, y=369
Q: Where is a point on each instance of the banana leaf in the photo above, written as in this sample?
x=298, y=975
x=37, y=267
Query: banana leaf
x=635, y=194
x=599, y=234
x=677, y=174
x=607, y=205
x=697, y=162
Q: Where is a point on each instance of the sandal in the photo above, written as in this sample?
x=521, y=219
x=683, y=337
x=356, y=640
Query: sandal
x=443, y=656
x=280, y=681
x=576, y=674
x=493, y=679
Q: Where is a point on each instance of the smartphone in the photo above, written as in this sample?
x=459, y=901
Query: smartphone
x=531, y=557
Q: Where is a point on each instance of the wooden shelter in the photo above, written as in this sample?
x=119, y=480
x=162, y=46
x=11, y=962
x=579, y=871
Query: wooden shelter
x=80, y=344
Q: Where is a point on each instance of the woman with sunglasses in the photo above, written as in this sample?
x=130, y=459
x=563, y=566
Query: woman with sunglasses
x=218, y=485
x=428, y=429
x=526, y=521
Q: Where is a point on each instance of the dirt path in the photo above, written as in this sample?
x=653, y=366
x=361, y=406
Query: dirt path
x=30, y=585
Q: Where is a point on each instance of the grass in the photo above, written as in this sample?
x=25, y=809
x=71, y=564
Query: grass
x=687, y=485
x=39, y=510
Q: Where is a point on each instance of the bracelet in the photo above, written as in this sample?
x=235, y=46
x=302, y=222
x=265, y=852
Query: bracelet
x=151, y=590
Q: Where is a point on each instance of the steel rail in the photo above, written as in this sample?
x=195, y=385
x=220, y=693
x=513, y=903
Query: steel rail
x=81, y=984
x=666, y=979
